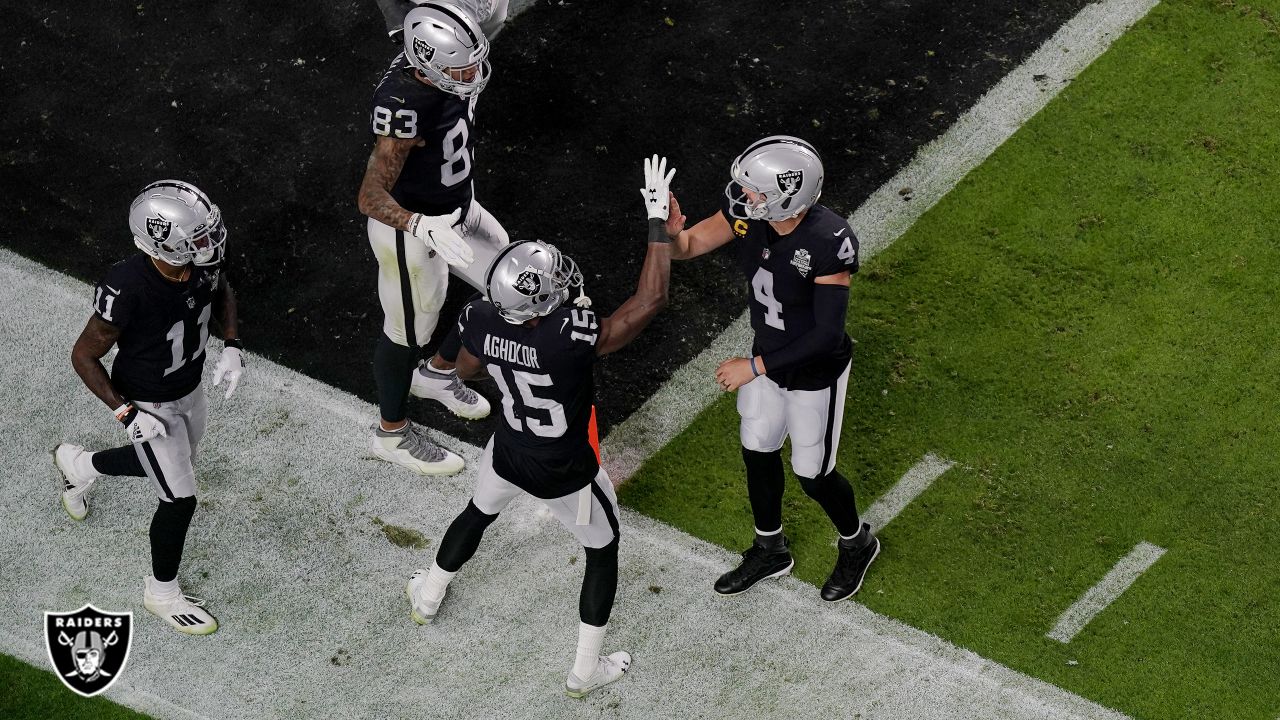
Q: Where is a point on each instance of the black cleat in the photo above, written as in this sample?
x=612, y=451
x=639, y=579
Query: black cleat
x=758, y=563
x=851, y=568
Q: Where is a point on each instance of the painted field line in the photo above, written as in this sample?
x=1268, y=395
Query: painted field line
x=913, y=482
x=1113, y=584
x=887, y=214
x=289, y=548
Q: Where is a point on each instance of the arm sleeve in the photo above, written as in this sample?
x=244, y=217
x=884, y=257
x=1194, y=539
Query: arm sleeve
x=830, y=303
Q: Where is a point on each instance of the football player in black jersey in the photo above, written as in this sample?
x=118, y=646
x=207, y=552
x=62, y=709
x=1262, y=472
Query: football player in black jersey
x=155, y=307
x=540, y=349
x=423, y=218
x=797, y=257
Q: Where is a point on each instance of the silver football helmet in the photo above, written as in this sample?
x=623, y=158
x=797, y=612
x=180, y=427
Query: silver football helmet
x=174, y=221
x=448, y=47
x=530, y=279
x=783, y=172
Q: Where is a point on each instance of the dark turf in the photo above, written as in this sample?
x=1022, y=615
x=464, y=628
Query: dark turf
x=270, y=119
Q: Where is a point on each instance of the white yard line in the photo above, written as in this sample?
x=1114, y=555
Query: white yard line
x=1112, y=586
x=310, y=593
x=886, y=215
x=915, y=481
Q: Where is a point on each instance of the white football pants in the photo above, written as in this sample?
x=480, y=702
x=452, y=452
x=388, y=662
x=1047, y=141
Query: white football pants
x=811, y=417
x=170, y=461
x=412, y=281
x=591, y=514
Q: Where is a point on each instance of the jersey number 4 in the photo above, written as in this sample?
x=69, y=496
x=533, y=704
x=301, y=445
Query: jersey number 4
x=762, y=284
x=553, y=427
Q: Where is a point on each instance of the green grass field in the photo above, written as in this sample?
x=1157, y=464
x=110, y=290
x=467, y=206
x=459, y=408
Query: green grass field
x=1086, y=325
x=30, y=694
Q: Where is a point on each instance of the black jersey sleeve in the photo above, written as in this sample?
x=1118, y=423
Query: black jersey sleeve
x=116, y=297
x=471, y=327
x=838, y=251
x=397, y=104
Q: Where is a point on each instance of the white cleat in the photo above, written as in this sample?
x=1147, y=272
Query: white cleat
x=183, y=612
x=608, y=669
x=421, y=609
x=447, y=388
x=410, y=448
x=77, y=478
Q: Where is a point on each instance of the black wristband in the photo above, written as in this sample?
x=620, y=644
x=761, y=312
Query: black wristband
x=233, y=342
x=658, y=231
x=129, y=416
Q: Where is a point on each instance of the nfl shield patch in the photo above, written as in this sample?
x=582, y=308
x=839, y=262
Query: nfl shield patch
x=88, y=648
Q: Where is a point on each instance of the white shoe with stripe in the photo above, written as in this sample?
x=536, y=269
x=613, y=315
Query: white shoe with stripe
x=183, y=612
x=77, y=478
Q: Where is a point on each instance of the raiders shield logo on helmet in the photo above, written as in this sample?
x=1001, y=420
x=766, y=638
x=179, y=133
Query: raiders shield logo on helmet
x=789, y=183
x=528, y=283
x=159, y=228
x=88, y=648
x=423, y=50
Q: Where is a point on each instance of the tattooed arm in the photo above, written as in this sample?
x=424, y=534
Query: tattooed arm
x=380, y=175
x=94, y=342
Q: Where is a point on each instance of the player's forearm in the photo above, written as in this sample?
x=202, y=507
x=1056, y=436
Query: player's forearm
x=681, y=246
x=649, y=299
x=95, y=377
x=228, y=317
x=377, y=203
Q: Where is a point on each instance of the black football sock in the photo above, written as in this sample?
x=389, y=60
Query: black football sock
x=168, y=535
x=462, y=538
x=393, y=367
x=834, y=493
x=599, y=584
x=121, y=461
x=765, y=482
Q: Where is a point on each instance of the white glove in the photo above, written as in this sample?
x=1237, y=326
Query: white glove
x=657, y=187
x=138, y=425
x=438, y=234
x=231, y=367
